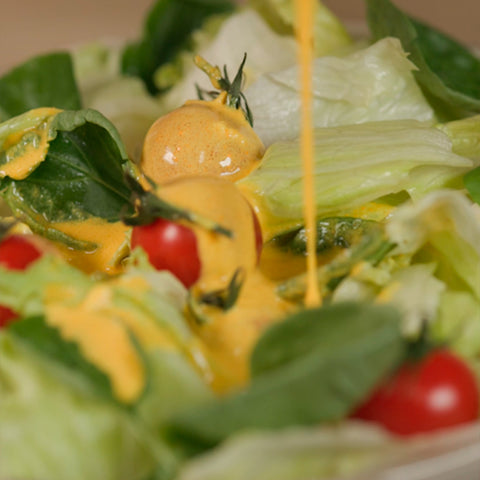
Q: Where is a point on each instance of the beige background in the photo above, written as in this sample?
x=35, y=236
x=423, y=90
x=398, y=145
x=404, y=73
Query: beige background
x=28, y=27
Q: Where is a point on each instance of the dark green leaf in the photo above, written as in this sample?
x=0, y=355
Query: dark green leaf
x=48, y=341
x=371, y=246
x=44, y=81
x=82, y=176
x=314, y=367
x=332, y=232
x=167, y=30
x=448, y=72
x=472, y=184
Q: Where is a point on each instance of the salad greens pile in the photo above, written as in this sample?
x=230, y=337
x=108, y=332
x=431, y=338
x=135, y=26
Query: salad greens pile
x=397, y=177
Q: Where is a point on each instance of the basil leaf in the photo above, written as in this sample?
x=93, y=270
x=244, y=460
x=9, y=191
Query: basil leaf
x=332, y=232
x=47, y=340
x=43, y=81
x=314, y=367
x=81, y=176
x=370, y=246
x=168, y=27
x=449, y=74
x=472, y=183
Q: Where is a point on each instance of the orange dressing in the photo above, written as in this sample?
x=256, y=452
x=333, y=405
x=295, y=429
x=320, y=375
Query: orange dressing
x=110, y=240
x=227, y=339
x=24, y=150
x=304, y=31
x=103, y=339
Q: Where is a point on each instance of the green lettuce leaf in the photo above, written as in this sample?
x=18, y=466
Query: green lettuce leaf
x=48, y=341
x=128, y=105
x=294, y=454
x=472, y=184
x=51, y=423
x=23, y=292
x=458, y=323
x=372, y=84
x=95, y=65
x=43, y=81
x=167, y=30
x=445, y=226
x=266, y=51
x=448, y=72
x=444, y=229
x=328, y=31
x=313, y=367
x=124, y=100
x=465, y=136
x=127, y=442
x=354, y=164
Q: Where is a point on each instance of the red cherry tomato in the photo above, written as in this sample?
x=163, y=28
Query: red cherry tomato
x=438, y=392
x=6, y=316
x=170, y=246
x=17, y=252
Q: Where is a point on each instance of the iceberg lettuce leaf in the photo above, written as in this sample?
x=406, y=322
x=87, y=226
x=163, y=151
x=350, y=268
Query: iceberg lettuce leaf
x=127, y=104
x=23, y=292
x=448, y=72
x=354, y=164
x=445, y=221
x=372, y=84
x=293, y=454
x=266, y=51
x=329, y=34
x=458, y=323
x=127, y=442
x=37, y=402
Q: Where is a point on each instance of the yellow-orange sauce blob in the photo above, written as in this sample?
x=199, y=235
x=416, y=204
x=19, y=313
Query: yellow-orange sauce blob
x=109, y=244
x=219, y=201
x=227, y=339
x=100, y=334
x=26, y=149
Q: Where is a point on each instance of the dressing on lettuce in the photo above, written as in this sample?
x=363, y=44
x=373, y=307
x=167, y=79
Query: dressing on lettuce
x=49, y=379
x=354, y=164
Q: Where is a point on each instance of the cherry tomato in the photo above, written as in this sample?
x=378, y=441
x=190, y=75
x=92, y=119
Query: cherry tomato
x=194, y=253
x=6, y=316
x=204, y=138
x=17, y=252
x=438, y=392
x=170, y=246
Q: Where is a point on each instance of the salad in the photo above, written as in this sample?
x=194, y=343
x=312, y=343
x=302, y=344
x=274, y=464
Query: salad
x=153, y=249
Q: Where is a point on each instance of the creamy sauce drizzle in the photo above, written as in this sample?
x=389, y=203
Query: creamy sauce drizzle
x=305, y=13
x=110, y=240
x=24, y=150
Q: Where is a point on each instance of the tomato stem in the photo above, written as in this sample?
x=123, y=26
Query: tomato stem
x=235, y=97
x=224, y=298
